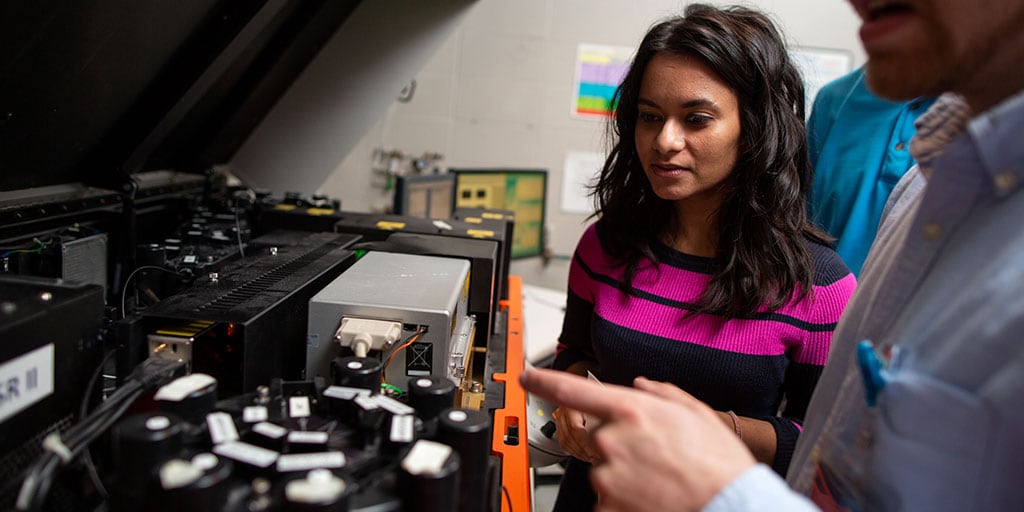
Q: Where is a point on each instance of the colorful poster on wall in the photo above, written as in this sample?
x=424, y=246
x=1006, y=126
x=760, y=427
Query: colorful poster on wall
x=599, y=71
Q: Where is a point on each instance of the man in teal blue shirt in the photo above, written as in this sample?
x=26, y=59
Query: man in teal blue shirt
x=858, y=146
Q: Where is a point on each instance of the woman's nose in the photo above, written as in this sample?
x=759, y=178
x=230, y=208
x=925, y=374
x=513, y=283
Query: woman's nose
x=671, y=137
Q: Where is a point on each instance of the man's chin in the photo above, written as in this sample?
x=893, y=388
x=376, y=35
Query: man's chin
x=896, y=82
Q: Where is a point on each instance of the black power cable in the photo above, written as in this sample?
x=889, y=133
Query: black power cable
x=59, y=451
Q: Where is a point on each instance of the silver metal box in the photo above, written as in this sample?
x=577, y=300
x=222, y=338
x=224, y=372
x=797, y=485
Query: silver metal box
x=418, y=291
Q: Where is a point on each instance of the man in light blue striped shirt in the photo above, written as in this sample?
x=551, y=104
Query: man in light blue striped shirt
x=919, y=407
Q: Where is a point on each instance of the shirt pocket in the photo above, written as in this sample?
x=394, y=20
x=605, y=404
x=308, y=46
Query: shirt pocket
x=930, y=443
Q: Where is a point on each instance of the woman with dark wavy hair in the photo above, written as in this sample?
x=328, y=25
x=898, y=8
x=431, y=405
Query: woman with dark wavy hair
x=702, y=269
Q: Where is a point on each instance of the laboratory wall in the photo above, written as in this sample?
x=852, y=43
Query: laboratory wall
x=498, y=90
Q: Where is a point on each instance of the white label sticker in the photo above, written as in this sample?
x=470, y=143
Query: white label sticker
x=26, y=380
x=345, y=393
x=298, y=406
x=366, y=402
x=182, y=387
x=222, y=427
x=270, y=430
x=308, y=461
x=394, y=406
x=254, y=414
x=299, y=436
x=402, y=429
x=247, y=453
x=426, y=458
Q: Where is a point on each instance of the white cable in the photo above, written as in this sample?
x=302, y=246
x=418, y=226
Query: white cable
x=361, y=344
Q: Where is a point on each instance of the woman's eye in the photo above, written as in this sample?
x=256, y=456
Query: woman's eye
x=647, y=117
x=698, y=119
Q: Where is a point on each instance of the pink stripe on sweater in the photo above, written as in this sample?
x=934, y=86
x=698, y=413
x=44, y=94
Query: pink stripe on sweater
x=682, y=285
x=755, y=337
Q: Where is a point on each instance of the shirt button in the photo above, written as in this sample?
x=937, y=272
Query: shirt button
x=1006, y=181
x=932, y=231
x=900, y=146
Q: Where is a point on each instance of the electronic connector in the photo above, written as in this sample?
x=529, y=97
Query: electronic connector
x=366, y=334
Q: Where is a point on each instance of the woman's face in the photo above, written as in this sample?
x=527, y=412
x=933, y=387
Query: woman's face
x=687, y=131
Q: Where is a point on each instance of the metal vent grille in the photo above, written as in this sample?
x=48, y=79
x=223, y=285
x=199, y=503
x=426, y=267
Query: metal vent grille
x=240, y=294
x=20, y=458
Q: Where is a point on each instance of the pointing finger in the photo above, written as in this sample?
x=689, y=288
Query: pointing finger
x=575, y=392
x=666, y=391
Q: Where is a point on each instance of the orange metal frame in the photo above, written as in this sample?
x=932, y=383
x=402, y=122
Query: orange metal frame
x=515, y=462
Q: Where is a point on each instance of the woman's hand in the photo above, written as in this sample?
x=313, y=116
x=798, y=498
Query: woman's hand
x=573, y=436
x=661, y=448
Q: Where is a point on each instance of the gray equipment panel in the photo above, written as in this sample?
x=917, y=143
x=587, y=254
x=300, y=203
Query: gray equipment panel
x=418, y=291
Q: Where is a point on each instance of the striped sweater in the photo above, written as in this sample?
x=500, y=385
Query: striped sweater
x=751, y=365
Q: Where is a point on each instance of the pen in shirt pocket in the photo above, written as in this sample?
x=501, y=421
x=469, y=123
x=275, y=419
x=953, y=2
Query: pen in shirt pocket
x=875, y=365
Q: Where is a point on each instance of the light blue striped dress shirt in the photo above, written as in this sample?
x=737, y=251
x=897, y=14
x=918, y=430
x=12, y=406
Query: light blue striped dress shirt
x=944, y=282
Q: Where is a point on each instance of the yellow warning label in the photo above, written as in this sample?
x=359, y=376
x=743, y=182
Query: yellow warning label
x=320, y=211
x=186, y=330
x=391, y=225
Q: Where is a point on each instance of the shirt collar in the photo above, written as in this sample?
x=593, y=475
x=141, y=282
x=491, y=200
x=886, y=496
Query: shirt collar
x=996, y=137
x=941, y=124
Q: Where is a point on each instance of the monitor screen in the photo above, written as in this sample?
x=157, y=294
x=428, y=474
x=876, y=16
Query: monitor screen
x=428, y=196
x=522, y=191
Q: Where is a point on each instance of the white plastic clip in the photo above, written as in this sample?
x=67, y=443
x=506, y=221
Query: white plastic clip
x=54, y=444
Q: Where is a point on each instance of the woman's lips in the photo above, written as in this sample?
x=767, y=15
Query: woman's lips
x=667, y=170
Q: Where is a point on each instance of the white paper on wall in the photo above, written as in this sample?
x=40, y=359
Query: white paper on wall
x=581, y=170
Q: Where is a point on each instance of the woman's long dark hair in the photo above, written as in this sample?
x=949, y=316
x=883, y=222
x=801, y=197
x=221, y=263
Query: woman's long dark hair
x=762, y=223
